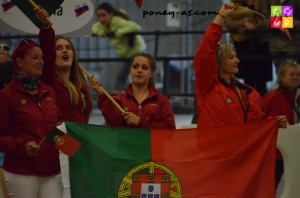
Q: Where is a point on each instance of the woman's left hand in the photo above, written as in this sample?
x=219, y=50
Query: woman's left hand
x=131, y=118
x=32, y=148
x=282, y=121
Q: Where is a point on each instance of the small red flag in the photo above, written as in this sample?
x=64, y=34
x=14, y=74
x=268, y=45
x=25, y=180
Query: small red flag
x=139, y=3
x=63, y=142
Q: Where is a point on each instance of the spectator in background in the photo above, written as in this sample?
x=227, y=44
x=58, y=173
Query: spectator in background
x=6, y=67
x=221, y=100
x=280, y=43
x=28, y=112
x=244, y=27
x=285, y=100
x=115, y=25
x=145, y=106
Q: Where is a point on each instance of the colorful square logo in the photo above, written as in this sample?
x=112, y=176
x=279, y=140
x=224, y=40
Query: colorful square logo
x=281, y=16
x=287, y=11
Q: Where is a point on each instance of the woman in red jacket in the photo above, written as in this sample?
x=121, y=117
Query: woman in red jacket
x=221, y=99
x=144, y=106
x=63, y=73
x=285, y=100
x=28, y=113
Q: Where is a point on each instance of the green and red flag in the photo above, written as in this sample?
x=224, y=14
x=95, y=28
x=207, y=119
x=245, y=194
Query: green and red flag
x=235, y=162
x=63, y=142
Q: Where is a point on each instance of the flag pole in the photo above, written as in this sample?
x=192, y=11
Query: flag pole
x=41, y=141
x=252, y=11
x=103, y=90
x=36, y=6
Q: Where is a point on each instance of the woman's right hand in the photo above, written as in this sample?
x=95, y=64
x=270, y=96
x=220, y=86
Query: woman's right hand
x=32, y=148
x=96, y=86
x=227, y=9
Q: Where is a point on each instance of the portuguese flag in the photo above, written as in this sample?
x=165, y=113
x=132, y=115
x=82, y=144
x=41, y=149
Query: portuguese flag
x=231, y=162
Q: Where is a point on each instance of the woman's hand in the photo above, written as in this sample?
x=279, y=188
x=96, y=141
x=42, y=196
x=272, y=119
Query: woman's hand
x=96, y=86
x=42, y=15
x=282, y=121
x=32, y=148
x=227, y=9
x=131, y=118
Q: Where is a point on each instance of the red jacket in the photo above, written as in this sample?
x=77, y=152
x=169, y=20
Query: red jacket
x=24, y=118
x=217, y=102
x=155, y=111
x=65, y=111
x=280, y=102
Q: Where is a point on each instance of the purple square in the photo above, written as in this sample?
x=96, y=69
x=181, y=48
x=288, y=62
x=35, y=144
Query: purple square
x=287, y=11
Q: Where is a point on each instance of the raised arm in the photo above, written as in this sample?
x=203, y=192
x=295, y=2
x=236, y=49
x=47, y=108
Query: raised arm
x=205, y=65
x=124, y=27
x=47, y=42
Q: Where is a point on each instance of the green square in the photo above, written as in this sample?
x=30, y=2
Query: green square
x=276, y=11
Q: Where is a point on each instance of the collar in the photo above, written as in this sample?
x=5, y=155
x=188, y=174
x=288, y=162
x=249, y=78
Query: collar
x=152, y=91
x=234, y=82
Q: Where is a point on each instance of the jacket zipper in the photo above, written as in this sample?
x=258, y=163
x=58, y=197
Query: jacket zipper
x=140, y=107
x=40, y=107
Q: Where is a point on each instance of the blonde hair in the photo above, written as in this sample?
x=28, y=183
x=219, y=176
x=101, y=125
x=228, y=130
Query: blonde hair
x=287, y=63
x=76, y=79
x=223, y=52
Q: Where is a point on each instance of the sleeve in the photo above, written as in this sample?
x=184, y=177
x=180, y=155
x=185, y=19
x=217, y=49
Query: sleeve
x=97, y=29
x=124, y=27
x=8, y=144
x=270, y=104
x=205, y=64
x=47, y=42
x=166, y=118
x=112, y=116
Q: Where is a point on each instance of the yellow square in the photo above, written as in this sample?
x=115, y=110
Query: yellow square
x=287, y=22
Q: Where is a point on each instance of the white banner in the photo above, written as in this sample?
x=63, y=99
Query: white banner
x=73, y=18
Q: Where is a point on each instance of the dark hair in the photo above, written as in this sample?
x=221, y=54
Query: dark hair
x=152, y=64
x=111, y=10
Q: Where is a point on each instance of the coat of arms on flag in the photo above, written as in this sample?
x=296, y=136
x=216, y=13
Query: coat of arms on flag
x=150, y=180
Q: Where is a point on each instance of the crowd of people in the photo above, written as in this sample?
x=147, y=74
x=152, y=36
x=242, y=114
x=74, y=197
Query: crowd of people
x=43, y=85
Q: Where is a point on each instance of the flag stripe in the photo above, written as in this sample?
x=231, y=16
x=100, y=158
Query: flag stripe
x=222, y=162
x=79, y=11
x=7, y=6
x=106, y=156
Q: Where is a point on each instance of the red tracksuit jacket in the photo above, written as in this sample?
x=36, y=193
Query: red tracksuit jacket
x=65, y=110
x=217, y=102
x=24, y=118
x=155, y=111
